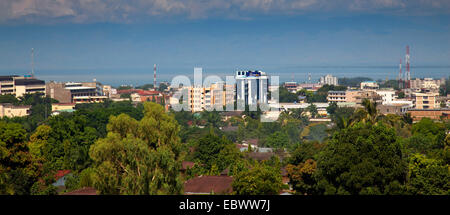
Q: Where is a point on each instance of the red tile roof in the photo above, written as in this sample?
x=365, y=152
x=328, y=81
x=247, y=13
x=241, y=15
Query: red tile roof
x=83, y=191
x=61, y=173
x=147, y=92
x=209, y=184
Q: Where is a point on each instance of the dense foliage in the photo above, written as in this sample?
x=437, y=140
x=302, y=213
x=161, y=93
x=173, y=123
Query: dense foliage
x=120, y=148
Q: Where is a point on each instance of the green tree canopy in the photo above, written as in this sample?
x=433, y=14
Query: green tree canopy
x=362, y=159
x=18, y=170
x=139, y=157
x=428, y=176
x=258, y=180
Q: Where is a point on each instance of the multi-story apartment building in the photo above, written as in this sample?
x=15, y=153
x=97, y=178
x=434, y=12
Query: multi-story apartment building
x=251, y=87
x=369, y=85
x=329, y=79
x=291, y=86
x=427, y=84
x=387, y=95
x=107, y=91
x=337, y=96
x=216, y=95
x=351, y=96
x=425, y=100
x=20, y=85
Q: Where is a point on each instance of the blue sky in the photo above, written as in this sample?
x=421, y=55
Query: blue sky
x=97, y=34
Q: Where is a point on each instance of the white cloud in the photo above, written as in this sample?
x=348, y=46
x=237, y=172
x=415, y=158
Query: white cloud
x=82, y=11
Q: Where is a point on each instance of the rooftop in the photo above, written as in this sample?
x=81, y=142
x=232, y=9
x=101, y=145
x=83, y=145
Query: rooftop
x=81, y=88
x=83, y=191
x=209, y=184
x=29, y=82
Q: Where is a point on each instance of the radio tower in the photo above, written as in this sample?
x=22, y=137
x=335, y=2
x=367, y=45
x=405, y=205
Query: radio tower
x=154, y=76
x=32, y=62
x=408, y=72
x=400, y=81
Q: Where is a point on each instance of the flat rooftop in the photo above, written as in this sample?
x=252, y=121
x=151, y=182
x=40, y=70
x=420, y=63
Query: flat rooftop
x=80, y=88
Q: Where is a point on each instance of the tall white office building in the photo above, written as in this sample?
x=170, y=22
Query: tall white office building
x=252, y=87
x=329, y=79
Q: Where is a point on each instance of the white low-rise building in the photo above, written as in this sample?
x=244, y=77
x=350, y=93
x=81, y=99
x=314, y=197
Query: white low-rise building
x=387, y=95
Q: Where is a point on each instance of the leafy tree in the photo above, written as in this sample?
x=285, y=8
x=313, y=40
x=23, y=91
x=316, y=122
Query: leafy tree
x=368, y=113
x=304, y=151
x=125, y=87
x=68, y=142
x=332, y=107
x=139, y=157
x=286, y=96
x=44, y=186
x=212, y=118
x=428, y=176
x=302, y=177
x=312, y=110
x=258, y=180
x=229, y=157
x=18, y=169
x=208, y=148
x=317, y=132
x=427, y=137
x=278, y=139
x=145, y=87
x=362, y=159
x=8, y=98
x=342, y=118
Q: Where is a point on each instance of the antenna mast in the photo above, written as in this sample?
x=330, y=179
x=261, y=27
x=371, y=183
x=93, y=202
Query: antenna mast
x=400, y=81
x=408, y=72
x=154, y=76
x=32, y=62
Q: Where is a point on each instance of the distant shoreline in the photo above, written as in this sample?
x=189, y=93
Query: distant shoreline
x=117, y=77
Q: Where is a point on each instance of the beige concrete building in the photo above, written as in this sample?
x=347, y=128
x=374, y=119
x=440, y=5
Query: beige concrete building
x=107, y=91
x=337, y=96
x=71, y=92
x=9, y=110
x=63, y=106
x=434, y=114
x=347, y=96
x=398, y=109
x=89, y=99
x=427, y=83
x=208, y=98
x=20, y=85
x=426, y=100
x=369, y=85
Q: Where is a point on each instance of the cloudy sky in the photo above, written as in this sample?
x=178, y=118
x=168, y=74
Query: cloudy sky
x=115, y=34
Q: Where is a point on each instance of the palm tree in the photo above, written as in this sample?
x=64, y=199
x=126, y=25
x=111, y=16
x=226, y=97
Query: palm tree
x=312, y=109
x=367, y=114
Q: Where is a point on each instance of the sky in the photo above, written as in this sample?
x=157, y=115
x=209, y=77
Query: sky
x=240, y=34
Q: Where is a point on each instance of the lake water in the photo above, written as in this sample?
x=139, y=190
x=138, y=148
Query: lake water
x=136, y=77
